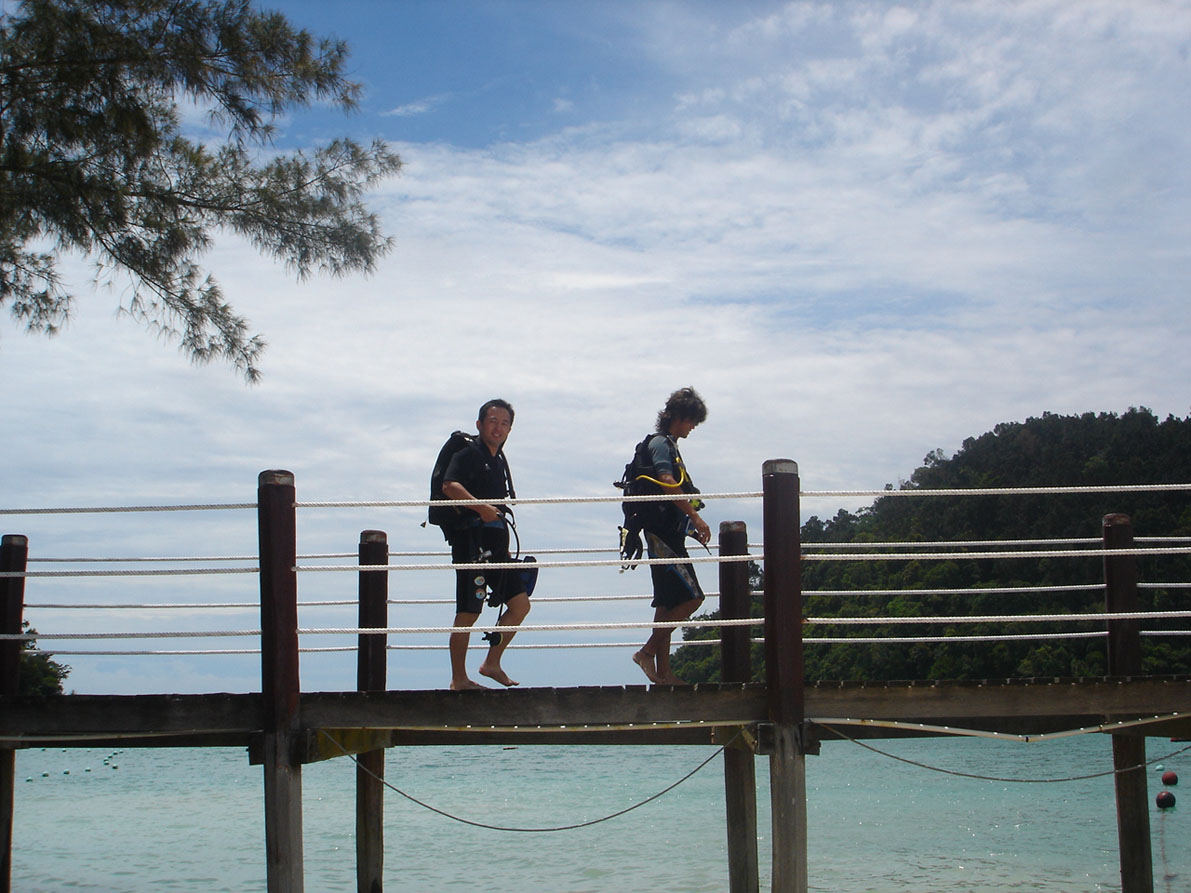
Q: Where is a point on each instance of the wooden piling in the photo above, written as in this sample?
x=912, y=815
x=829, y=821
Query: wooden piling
x=280, y=687
x=740, y=773
x=14, y=556
x=783, y=673
x=1128, y=747
x=370, y=676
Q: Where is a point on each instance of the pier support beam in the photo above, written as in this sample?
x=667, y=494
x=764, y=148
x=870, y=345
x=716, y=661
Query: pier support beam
x=280, y=687
x=783, y=673
x=14, y=556
x=1128, y=748
x=740, y=771
x=371, y=665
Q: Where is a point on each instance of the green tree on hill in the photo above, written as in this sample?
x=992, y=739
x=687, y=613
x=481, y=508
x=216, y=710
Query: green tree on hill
x=94, y=159
x=1085, y=450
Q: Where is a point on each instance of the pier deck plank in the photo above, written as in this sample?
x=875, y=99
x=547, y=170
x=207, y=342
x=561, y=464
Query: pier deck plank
x=596, y=713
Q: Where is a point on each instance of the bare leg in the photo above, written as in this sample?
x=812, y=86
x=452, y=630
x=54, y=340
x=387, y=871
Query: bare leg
x=457, y=645
x=516, y=610
x=654, y=656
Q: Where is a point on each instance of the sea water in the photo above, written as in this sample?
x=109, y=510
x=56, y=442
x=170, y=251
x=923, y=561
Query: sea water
x=907, y=818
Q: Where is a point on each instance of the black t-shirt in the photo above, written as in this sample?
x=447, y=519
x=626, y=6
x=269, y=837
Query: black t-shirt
x=479, y=471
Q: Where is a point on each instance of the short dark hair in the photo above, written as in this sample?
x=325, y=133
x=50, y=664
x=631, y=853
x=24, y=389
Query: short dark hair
x=496, y=404
x=685, y=403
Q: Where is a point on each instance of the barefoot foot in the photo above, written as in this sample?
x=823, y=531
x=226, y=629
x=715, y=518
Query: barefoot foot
x=465, y=685
x=645, y=661
x=497, y=674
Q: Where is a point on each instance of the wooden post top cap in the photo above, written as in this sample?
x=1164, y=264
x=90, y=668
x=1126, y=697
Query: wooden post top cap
x=779, y=466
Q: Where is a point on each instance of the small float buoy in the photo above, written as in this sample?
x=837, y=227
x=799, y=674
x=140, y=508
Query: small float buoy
x=1170, y=777
x=1165, y=800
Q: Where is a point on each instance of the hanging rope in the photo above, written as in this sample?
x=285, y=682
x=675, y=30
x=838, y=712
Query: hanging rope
x=828, y=723
x=544, y=830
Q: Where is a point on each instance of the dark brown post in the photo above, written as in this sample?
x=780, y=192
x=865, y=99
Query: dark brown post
x=783, y=672
x=1129, y=747
x=14, y=557
x=370, y=676
x=280, y=687
x=740, y=772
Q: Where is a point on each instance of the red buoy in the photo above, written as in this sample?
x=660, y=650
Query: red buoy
x=1165, y=800
x=1170, y=778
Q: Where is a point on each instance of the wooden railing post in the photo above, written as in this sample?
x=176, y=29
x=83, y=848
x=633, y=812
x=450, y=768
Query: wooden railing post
x=280, y=687
x=783, y=673
x=740, y=771
x=370, y=676
x=14, y=557
x=1128, y=747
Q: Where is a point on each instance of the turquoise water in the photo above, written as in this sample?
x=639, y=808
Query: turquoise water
x=140, y=820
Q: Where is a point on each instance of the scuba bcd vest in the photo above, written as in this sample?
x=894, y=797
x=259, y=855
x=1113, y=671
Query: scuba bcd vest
x=453, y=517
x=640, y=478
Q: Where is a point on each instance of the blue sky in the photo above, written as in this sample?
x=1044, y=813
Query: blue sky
x=864, y=231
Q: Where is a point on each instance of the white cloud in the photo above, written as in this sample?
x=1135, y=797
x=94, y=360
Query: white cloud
x=864, y=233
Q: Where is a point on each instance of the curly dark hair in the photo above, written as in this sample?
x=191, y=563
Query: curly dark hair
x=685, y=403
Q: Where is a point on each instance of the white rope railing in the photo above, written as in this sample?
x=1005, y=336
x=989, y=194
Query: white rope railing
x=152, y=572
x=976, y=556
x=967, y=544
x=405, y=630
x=540, y=599
x=999, y=618
x=598, y=550
x=562, y=500
x=522, y=565
x=908, y=551
x=118, y=509
x=627, y=625
x=971, y=590
x=548, y=646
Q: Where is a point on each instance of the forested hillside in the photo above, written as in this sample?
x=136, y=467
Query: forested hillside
x=1054, y=450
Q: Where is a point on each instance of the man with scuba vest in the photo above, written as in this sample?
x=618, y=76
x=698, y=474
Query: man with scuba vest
x=480, y=471
x=676, y=590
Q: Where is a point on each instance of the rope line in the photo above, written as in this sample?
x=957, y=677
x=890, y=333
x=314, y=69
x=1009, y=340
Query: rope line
x=573, y=645
x=116, y=509
x=1002, y=491
x=596, y=550
x=696, y=643
x=1071, y=541
x=1000, y=736
x=631, y=625
x=979, y=777
x=998, y=590
x=1000, y=618
x=544, y=830
x=973, y=556
x=439, y=553
x=357, y=568
x=368, y=630
x=915, y=640
x=154, y=572
x=555, y=500
x=613, y=562
x=521, y=565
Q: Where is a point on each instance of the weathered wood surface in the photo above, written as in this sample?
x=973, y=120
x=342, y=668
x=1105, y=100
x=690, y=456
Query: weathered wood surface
x=1012, y=705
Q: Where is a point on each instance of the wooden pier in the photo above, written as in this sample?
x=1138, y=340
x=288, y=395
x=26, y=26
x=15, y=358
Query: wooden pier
x=783, y=719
